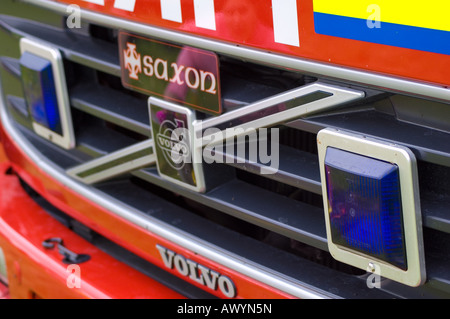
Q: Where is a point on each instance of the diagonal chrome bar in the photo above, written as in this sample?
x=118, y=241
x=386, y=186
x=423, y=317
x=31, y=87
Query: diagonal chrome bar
x=289, y=105
x=122, y=161
x=296, y=103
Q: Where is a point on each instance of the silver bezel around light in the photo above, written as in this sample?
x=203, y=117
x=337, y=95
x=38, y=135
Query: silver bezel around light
x=409, y=188
x=67, y=138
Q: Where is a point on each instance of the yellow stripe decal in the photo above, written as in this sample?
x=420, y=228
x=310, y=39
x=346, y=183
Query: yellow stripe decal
x=430, y=14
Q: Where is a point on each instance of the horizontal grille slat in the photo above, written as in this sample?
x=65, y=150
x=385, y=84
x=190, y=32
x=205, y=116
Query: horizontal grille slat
x=97, y=139
x=78, y=48
x=62, y=158
x=11, y=65
x=428, y=145
x=266, y=209
x=435, y=212
x=19, y=105
x=112, y=106
x=296, y=168
x=273, y=212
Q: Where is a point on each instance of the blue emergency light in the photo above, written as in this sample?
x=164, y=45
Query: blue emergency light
x=365, y=205
x=40, y=91
x=371, y=199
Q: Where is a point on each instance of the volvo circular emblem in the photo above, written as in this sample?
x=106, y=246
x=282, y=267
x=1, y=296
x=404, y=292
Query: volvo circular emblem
x=172, y=132
x=173, y=140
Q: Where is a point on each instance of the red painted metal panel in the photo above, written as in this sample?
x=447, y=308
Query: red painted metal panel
x=36, y=272
x=134, y=238
x=252, y=24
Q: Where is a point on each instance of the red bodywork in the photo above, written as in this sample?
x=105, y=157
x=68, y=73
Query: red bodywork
x=34, y=271
x=250, y=23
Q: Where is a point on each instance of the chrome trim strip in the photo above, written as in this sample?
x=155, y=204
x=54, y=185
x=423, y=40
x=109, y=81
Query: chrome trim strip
x=185, y=240
x=391, y=83
x=124, y=160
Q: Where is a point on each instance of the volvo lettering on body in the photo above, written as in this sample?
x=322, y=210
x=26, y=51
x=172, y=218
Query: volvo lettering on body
x=197, y=272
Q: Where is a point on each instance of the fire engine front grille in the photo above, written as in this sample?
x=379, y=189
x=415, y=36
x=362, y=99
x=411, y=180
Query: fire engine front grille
x=272, y=221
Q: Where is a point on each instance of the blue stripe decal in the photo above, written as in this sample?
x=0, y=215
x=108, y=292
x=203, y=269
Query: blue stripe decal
x=398, y=35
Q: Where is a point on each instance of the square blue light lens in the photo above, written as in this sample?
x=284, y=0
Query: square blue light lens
x=40, y=92
x=364, y=204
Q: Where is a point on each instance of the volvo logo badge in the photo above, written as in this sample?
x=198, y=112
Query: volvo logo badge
x=173, y=134
x=173, y=140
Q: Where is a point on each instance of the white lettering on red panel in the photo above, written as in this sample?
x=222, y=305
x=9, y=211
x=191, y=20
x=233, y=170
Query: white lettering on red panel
x=99, y=2
x=284, y=13
x=205, y=16
x=127, y=5
x=171, y=10
x=285, y=22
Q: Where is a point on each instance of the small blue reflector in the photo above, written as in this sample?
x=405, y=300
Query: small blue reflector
x=364, y=205
x=40, y=92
